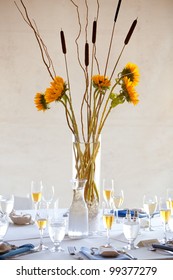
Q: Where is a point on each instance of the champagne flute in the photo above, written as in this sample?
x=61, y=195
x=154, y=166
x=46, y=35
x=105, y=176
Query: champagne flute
x=36, y=193
x=150, y=204
x=165, y=214
x=56, y=228
x=47, y=195
x=41, y=222
x=118, y=199
x=131, y=229
x=107, y=191
x=169, y=192
x=108, y=218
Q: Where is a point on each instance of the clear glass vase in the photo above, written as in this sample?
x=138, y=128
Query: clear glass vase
x=86, y=165
x=78, y=212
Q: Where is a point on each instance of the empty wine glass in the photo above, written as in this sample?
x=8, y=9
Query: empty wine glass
x=150, y=204
x=36, y=193
x=131, y=229
x=41, y=222
x=56, y=228
x=56, y=208
x=169, y=193
x=4, y=223
x=108, y=218
x=6, y=203
x=47, y=195
x=165, y=214
x=107, y=191
x=118, y=199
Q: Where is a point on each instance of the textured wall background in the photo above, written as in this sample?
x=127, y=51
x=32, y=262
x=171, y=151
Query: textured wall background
x=137, y=142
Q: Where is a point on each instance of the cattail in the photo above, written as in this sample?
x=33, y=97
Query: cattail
x=130, y=32
x=86, y=54
x=63, y=42
x=117, y=11
x=94, y=31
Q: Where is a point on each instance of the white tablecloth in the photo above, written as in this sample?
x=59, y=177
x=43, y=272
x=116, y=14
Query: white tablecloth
x=24, y=234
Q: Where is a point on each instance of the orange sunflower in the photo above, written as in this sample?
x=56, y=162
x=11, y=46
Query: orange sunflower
x=40, y=102
x=131, y=70
x=129, y=91
x=56, y=90
x=101, y=82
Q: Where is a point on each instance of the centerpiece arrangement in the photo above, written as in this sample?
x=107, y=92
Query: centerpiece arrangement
x=101, y=94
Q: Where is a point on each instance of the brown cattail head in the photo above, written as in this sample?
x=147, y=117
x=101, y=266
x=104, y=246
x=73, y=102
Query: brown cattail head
x=94, y=31
x=117, y=10
x=63, y=42
x=86, y=54
x=130, y=32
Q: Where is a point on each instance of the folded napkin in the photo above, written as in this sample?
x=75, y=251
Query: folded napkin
x=19, y=250
x=163, y=246
x=87, y=253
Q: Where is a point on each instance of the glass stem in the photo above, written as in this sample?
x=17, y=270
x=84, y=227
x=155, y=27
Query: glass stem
x=35, y=206
x=165, y=232
x=149, y=222
x=41, y=237
x=35, y=210
x=131, y=244
x=117, y=215
x=108, y=237
x=57, y=245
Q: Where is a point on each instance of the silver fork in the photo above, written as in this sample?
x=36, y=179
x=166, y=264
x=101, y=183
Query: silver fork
x=73, y=252
x=127, y=254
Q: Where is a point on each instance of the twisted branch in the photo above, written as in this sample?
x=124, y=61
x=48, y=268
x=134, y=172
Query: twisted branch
x=43, y=49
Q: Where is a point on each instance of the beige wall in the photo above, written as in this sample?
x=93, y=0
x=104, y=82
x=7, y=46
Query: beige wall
x=137, y=142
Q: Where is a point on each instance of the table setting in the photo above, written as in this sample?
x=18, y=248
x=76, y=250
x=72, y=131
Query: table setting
x=44, y=232
x=24, y=241
x=122, y=234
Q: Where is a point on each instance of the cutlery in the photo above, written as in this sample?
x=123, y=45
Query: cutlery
x=165, y=248
x=71, y=250
x=127, y=254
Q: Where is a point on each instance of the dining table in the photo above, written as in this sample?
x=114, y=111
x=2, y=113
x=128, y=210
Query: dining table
x=19, y=235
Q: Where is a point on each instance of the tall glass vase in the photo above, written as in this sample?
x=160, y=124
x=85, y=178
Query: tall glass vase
x=86, y=165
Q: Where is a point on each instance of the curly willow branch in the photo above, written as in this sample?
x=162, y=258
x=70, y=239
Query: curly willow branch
x=76, y=40
x=45, y=50
x=42, y=46
x=78, y=56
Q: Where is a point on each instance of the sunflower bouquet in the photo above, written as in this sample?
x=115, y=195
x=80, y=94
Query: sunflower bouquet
x=101, y=95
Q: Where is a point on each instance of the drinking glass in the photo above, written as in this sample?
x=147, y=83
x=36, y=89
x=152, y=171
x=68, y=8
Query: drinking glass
x=131, y=229
x=118, y=199
x=47, y=194
x=41, y=222
x=108, y=218
x=3, y=225
x=56, y=228
x=150, y=205
x=107, y=190
x=165, y=214
x=56, y=208
x=36, y=193
x=6, y=203
x=169, y=193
